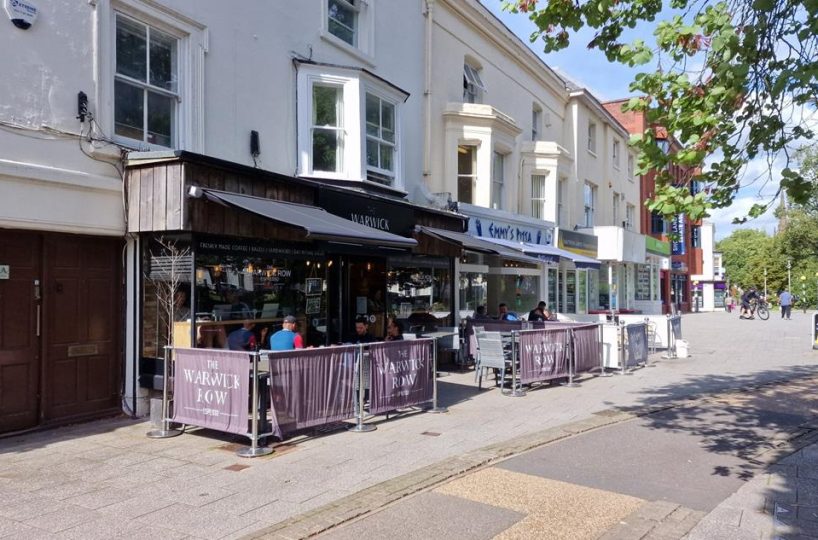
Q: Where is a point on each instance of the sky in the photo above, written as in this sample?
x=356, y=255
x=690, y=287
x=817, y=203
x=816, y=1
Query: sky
x=608, y=81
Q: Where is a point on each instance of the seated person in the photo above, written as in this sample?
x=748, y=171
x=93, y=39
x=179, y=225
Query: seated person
x=287, y=338
x=504, y=314
x=394, y=330
x=481, y=315
x=540, y=313
x=362, y=334
x=242, y=339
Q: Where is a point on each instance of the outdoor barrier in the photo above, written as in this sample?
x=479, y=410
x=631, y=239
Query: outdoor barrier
x=674, y=332
x=307, y=387
x=587, y=347
x=401, y=374
x=544, y=354
x=311, y=387
x=211, y=390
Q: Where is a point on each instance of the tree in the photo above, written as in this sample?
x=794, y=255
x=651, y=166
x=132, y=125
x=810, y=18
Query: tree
x=728, y=75
x=746, y=253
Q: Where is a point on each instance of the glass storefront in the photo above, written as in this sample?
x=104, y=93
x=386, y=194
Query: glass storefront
x=520, y=292
x=570, y=291
x=553, y=290
x=473, y=292
x=419, y=291
x=582, y=288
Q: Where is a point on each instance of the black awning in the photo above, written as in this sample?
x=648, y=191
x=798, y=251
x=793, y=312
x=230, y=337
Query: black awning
x=316, y=222
x=472, y=243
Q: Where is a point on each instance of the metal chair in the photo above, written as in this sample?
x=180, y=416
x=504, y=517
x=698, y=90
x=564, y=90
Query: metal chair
x=652, y=337
x=491, y=354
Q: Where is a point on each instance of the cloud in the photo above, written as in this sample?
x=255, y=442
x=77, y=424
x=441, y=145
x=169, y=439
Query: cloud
x=723, y=217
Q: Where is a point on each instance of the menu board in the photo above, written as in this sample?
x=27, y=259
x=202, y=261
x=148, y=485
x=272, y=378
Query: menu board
x=643, y=282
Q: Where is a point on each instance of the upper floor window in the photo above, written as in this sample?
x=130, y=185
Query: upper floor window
x=591, y=137
x=473, y=86
x=145, y=83
x=695, y=236
x=466, y=173
x=658, y=224
x=348, y=126
x=630, y=216
x=561, y=202
x=615, y=154
x=342, y=20
x=497, y=180
x=589, y=200
x=536, y=122
x=380, y=139
x=616, y=209
x=327, y=130
x=630, y=167
x=538, y=196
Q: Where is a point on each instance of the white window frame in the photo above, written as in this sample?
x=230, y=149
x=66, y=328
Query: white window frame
x=589, y=203
x=472, y=149
x=615, y=154
x=191, y=50
x=536, y=122
x=364, y=48
x=538, y=203
x=591, y=137
x=497, y=180
x=616, y=209
x=383, y=96
x=630, y=215
x=355, y=85
x=473, y=86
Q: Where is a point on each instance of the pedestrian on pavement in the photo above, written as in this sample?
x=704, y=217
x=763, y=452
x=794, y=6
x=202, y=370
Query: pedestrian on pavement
x=785, y=300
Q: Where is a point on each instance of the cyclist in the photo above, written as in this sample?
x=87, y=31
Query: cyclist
x=746, y=303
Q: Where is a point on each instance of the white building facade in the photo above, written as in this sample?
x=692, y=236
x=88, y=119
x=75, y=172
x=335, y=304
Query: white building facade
x=709, y=286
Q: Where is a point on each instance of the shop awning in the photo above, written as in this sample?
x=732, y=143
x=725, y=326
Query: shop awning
x=316, y=222
x=479, y=245
x=550, y=253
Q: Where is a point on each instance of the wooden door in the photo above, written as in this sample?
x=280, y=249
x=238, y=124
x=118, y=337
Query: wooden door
x=82, y=365
x=19, y=344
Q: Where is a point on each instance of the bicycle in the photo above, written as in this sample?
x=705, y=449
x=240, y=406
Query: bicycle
x=760, y=308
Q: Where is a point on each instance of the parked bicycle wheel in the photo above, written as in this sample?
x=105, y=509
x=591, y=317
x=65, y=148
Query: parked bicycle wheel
x=763, y=313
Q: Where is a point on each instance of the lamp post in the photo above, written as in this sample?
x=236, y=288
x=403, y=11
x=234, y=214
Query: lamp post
x=804, y=292
x=789, y=275
x=765, y=282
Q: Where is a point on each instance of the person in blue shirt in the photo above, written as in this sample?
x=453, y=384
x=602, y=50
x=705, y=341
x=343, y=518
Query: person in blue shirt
x=785, y=299
x=287, y=338
x=504, y=314
x=242, y=339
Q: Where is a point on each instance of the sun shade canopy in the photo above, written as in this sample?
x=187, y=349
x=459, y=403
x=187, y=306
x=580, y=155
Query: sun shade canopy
x=316, y=222
x=472, y=243
x=549, y=253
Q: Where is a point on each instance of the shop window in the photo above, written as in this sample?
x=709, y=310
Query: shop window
x=473, y=292
x=419, y=295
x=589, y=198
x=538, y=196
x=497, y=180
x=146, y=83
x=643, y=281
x=473, y=87
x=570, y=292
x=466, y=173
x=231, y=292
x=554, y=303
x=519, y=292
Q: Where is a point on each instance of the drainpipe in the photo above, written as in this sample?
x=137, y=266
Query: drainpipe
x=427, y=95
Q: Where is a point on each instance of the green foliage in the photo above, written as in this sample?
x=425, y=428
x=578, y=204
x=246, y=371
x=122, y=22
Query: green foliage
x=727, y=72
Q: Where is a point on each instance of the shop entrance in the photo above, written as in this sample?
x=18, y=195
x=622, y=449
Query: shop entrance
x=60, y=354
x=357, y=287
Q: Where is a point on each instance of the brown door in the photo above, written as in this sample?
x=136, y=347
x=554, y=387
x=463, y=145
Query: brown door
x=81, y=326
x=19, y=344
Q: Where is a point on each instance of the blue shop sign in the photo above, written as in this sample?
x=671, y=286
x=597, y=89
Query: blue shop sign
x=500, y=230
x=677, y=227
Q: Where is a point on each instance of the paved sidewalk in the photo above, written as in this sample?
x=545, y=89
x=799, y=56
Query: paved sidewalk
x=105, y=479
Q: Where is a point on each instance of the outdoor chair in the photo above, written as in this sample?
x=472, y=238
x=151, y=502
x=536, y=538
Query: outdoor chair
x=491, y=354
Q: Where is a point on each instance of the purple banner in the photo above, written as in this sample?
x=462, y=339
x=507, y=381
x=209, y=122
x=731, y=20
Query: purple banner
x=401, y=374
x=310, y=387
x=211, y=389
x=587, y=348
x=543, y=355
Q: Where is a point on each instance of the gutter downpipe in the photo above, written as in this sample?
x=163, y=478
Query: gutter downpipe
x=427, y=94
